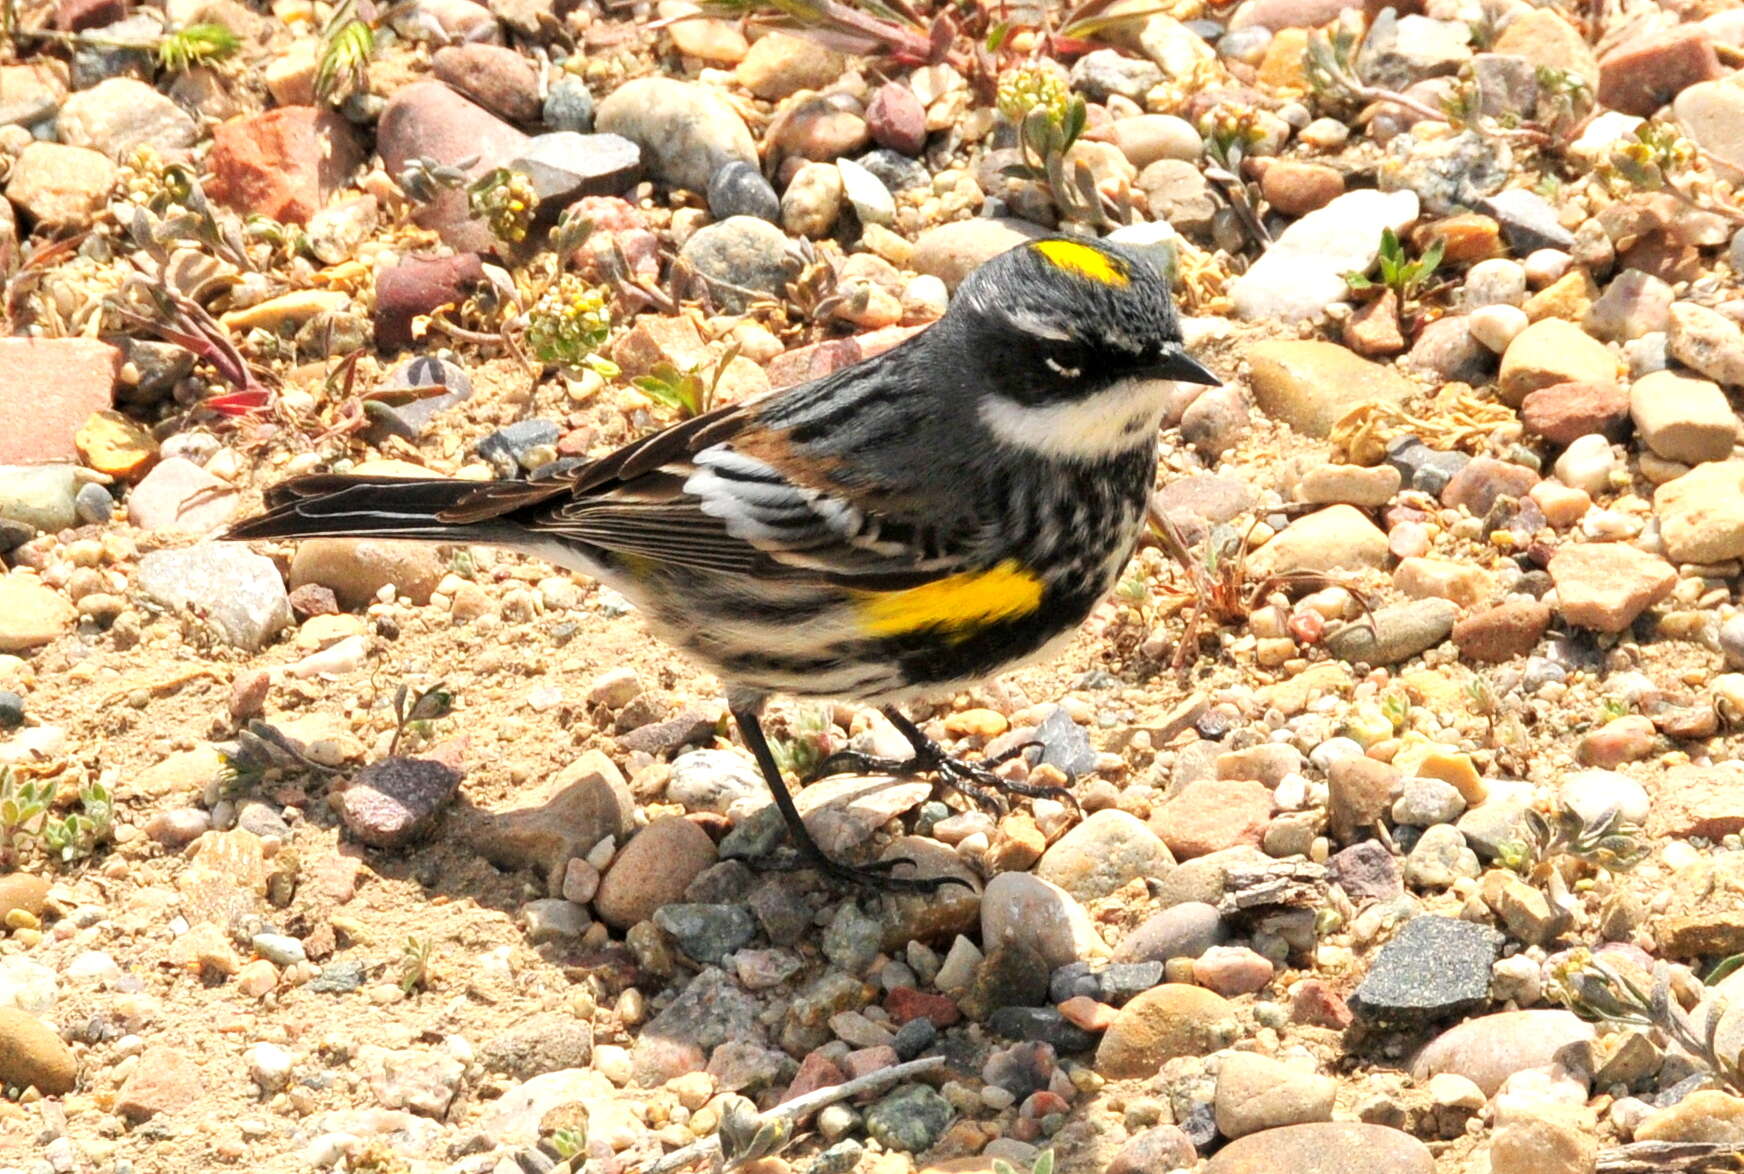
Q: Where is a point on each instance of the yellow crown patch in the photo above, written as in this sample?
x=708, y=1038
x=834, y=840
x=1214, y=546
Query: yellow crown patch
x=1085, y=261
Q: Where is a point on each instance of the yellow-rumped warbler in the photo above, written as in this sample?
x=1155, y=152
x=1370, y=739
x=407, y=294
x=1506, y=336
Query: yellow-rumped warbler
x=905, y=526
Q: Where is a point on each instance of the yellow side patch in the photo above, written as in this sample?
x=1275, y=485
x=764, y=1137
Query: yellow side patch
x=960, y=603
x=1087, y=262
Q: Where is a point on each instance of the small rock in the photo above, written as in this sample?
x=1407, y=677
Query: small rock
x=397, y=800
x=1312, y=385
x=119, y=114
x=1683, y=419
x=1020, y=909
x=1324, y=1147
x=652, y=870
x=1164, y=1023
x=1503, y=632
x=740, y=258
x=166, y=1080
x=1552, y=351
x=1490, y=1049
x=1708, y=342
x=33, y=1056
x=284, y=164
x=1435, y=968
x=910, y=1119
x=1185, y=930
x=566, y=167
x=227, y=585
x=1644, y=73
x=1255, y=1093
x=1394, y=633
x=1564, y=412
x=179, y=496
x=1606, y=585
x=778, y=65
x=739, y=189
x=686, y=130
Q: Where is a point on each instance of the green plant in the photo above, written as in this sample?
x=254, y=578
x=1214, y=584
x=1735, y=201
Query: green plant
x=197, y=44
x=1396, y=708
x=568, y=323
x=1610, y=843
x=23, y=807
x=506, y=201
x=1599, y=991
x=415, y=711
x=1658, y=159
x=415, y=964
x=747, y=1135
x=804, y=743
x=1405, y=277
x=347, y=43
x=1049, y=119
x=79, y=832
x=1044, y=1164
x=569, y=1141
x=684, y=390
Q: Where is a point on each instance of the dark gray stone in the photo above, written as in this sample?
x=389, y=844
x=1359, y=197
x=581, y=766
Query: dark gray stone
x=1423, y=467
x=895, y=170
x=739, y=189
x=93, y=504
x=337, y=978
x=1436, y=968
x=11, y=710
x=1065, y=744
x=1042, y=1024
x=913, y=1038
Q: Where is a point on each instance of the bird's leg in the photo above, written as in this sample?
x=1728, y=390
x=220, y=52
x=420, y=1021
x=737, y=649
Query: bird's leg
x=976, y=780
x=807, y=854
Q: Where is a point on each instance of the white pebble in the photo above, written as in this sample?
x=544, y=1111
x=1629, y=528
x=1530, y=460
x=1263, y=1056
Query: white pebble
x=270, y=1066
x=1587, y=463
x=1325, y=134
x=1545, y=266
x=1495, y=282
x=1496, y=326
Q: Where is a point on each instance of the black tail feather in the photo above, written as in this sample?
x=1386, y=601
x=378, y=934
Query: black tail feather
x=333, y=506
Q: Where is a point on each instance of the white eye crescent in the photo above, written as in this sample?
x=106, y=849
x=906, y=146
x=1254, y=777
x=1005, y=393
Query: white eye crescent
x=1062, y=370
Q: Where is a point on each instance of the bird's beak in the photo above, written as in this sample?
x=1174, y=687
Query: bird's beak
x=1184, y=368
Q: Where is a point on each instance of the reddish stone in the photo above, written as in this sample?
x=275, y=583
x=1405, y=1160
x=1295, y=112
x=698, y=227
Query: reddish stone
x=1083, y=1011
x=806, y=363
x=1502, y=632
x=1209, y=815
x=905, y=1003
x=1640, y=76
x=1295, y=187
x=1374, y=329
x=1478, y=486
x=75, y=16
x=48, y=388
x=1318, y=1005
x=866, y=1061
x=164, y=1081
x=418, y=285
x=499, y=79
x=1663, y=254
x=815, y=1071
x=427, y=119
x=284, y=163
x=1705, y=801
x=897, y=119
x=1564, y=411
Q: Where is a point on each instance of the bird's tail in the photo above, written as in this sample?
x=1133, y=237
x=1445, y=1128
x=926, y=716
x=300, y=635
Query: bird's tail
x=333, y=506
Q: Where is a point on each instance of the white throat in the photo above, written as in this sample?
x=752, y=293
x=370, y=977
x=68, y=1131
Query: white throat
x=1120, y=418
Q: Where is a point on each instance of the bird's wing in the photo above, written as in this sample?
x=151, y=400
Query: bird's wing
x=725, y=492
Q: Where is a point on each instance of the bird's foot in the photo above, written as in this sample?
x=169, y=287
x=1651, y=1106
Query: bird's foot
x=976, y=781
x=876, y=875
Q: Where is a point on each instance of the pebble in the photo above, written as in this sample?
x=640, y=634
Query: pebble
x=1103, y=854
x=1606, y=585
x=1489, y=1049
x=1683, y=419
x=33, y=1056
x=778, y=65
x=1162, y=1024
x=686, y=130
x=707, y=933
x=1701, y=514
x=1232, y=971
x=1206, y=816
x=871, y=200
x=1311, y=385
x=1707, y=342
x=1019, y=909
x=910, y=1119
x=952, y=251
x=1707, y=1115
x=1255, y=1093
x=566, y=167
x=397, y=801
x=120, y=114
x=1303, y=271
x=236, y=590
x=1435, y=968
x=652, y=870
x=739, y=189
x=166, y=1080
x=1552, y=351
x=41, y=497
x=1324, y=1147
x=1502, y=632
x=741, y=258
x=357, y=569
x=568, y=106
x=1394, y=633
x=897, y=119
